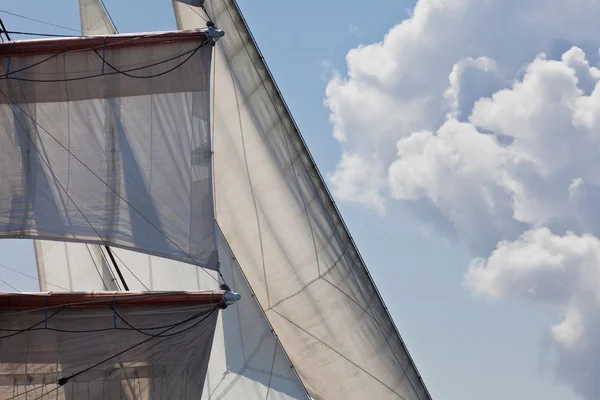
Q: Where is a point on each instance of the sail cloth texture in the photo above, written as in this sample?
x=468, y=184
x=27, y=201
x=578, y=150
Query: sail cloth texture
x=94, y=19
x=110, y=146
x=287, y=235
x=246, y=359
x=64, y=342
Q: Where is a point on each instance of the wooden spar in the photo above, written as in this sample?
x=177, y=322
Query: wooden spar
x=12, y=301
x=56, y=45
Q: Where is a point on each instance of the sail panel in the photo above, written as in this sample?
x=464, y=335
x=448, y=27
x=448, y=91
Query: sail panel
x=94, y=19
x=289, y=239
x=96, y=154
x=155, y=351
x=246, y=361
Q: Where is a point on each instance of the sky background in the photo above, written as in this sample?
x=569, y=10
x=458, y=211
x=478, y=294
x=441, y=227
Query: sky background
x=422, y=206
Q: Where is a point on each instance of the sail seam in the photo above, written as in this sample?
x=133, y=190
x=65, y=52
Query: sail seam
x=318, y=182
x=304, y=204
x=339, y=353
x=100, y=179
x=260, y=239
x=267, y=320
x=45, y=161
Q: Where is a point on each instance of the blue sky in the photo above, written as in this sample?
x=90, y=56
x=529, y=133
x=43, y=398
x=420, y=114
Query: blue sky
x=465, y=348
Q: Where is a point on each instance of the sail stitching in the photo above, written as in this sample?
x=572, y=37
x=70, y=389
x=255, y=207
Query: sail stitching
x=260, y=307
x=340, y=354
x=42, y=158
x=260, y=239
x=304, y=203
x=336, y=214
x=271, y=373
x=99, y=178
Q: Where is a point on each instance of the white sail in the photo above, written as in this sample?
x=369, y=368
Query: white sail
x=94, y=19
x=109, y=145
x=246, y=359
x=66, y=262
x=40, y=347
x=289, y=239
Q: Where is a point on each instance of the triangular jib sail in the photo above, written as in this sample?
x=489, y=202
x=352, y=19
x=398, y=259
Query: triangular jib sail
x=180, y=156
x=275, y=212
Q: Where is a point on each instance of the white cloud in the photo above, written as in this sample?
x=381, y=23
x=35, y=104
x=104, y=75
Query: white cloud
x=397, y=86
x=561, y=273
x=484, y=117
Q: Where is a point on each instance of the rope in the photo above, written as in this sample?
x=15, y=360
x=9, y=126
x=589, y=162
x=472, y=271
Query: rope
x=40, y=21
x=62, y=381
x=189, y=53
x=100, y=179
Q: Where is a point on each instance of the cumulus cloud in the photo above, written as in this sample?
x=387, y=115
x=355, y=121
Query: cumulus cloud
x=484, y=117
x=561, y=273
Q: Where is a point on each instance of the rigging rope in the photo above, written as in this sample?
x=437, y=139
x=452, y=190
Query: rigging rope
x=109, y=16
x=9, y=285
x=189, y=53
x=37, y=34
x=131, y=327
x=39, y=21
x=33, y=277
x=64, y=380
x=130, y=271
x=193, y=51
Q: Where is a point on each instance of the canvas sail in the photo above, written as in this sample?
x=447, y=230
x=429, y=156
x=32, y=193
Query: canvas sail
x=289, y=239
x=247, y=360
x=156, y=349
x=109, y=145
x=94, y=19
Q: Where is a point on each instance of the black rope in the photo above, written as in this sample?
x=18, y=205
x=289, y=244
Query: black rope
x=114, y=262
x=9, y=285
x=197, y=13
x=46, y=162
x=131, y=327
x=87, y=246
x=62, y=381
x=3, y=30
x=189, y=53
x=40, y=21
x=130, y=271
x=126, y=72
x=37, y=34
x=98, y=177
x=33, y=277
x=109, y=16
x=31, y=328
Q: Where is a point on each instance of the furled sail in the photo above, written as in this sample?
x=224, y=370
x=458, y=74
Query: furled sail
x=109, y=143
x=286, y=233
